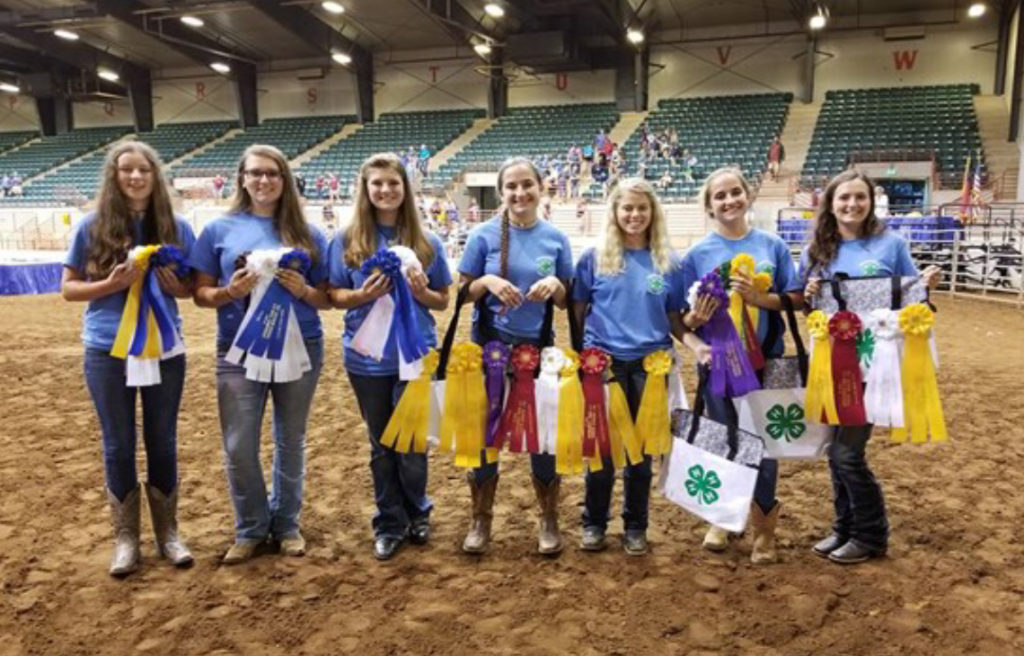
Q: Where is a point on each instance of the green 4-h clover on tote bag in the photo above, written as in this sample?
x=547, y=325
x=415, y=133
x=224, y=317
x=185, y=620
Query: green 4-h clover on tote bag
x=785, y=422
x=703, y=485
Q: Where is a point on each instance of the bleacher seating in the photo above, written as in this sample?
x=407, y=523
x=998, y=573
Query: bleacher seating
x=717, y=130
x=291, y=135
x=393, y=132
x=532, y=132
x=894, y=123
x=80, y=180
x=10, y=140
x=49, y=152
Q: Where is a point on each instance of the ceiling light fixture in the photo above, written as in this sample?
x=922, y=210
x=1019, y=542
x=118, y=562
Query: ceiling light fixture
x=67, y=35
x=482, y=49
x=192, y=21
x=977, y=10
x=108, y=75
x=634, y=35
x=9, y=88
x=342, y=58
x=494, y=10
x=817, y=21
x=333, y=7
x=220, y=67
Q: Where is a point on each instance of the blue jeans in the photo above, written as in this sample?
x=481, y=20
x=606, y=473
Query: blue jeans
x=115, y=408
x=399, y=479
x=241, y=403
x=636, y=479
x=767, y=473
x=856, y=494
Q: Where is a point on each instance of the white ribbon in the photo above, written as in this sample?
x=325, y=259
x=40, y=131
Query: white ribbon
x=676, y=393
x=142, y=372
x=552, y=359
x=883, y=394
x=294, y=360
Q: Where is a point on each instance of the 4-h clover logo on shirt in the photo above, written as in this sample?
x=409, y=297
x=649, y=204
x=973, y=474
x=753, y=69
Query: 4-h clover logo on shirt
x=870, y=267
x=545, y=266
x=765, y=267
x=703, y=485
x=865, y=346
x=655, y=284
x=785, y=422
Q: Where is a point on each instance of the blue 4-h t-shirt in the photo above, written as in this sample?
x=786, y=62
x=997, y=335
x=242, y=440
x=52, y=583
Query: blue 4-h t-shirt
x=884, y=254
x=102, y=316
x=628, y=312
x=224, y=239
x=770, y=254
x=346, y=277
x=536, y=252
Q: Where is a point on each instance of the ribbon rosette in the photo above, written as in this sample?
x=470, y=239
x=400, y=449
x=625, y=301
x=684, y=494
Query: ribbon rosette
x=465, y=408
x=569, y=441
x=744, y=317
x=652, y=418
x=820, y=402
x=392, y=318
x=596, y=444
x=409, y=426
x=844, y=327
x=269, y=339
x=495, y=356
x=147, y=334
x=921, y=403
x=731, y=372
x=552, y=360
x=519, y=420
x=883, y=392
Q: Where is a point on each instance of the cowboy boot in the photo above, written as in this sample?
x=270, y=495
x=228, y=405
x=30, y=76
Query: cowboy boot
x=763, y=552
x=125, y=518
x=163, y=509
x=716, y=539
x=479, y=534
x=549, y=540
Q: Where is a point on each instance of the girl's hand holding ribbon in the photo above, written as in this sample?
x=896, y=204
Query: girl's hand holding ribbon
x=932, y=276
x=743, y=284
x=544, y=289
x=812, y=288
x=293, y=281
x=241, y=283
x=701, y=312
x=374, y=286
x=418, y=283
x=123, y=275
x=171, y=284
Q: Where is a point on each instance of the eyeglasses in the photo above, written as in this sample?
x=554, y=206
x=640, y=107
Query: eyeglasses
x=256, y=174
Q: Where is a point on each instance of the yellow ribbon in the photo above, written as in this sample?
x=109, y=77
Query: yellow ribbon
x=820, y=392
x=410, y=420
x=652, y=420
x=762, y=282
x=921, y=404
x=569, y=436
x=621, y=432
x=130, y=314
x=464, y=420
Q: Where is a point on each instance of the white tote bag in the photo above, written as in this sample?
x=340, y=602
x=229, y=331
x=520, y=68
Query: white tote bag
x=775, y=412
x=712, y=469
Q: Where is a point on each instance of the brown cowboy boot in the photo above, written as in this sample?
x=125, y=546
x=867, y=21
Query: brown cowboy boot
x=763, y=552
x=479, y=534
x=549, y=540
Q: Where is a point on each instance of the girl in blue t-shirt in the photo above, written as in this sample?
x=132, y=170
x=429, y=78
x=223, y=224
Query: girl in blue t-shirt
x=515, y=262
x=384, y=215
x=133, y=208
x=726, y=197
x=849, y=239
x=627, y=296
x=264, y=214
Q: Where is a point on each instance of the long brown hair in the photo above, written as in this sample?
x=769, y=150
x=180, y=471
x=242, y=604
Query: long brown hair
x=111, y=233
x=361, y=236
x=825, y=238
x=505, y=229
x=289, y=221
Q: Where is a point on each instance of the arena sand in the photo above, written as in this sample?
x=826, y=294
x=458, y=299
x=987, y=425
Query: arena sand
x=952, y=584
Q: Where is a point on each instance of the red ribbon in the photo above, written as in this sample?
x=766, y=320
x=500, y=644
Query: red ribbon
x=519, y=419
x=593, y=362
x=846, y=379
x=750, y=337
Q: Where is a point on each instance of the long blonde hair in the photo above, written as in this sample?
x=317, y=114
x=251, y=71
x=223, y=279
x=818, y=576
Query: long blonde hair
x=609, y=249
x=110, y=235
x=361, y=235
x=289, y=220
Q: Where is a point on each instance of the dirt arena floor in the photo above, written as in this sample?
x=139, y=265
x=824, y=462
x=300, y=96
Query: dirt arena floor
x=953, y=582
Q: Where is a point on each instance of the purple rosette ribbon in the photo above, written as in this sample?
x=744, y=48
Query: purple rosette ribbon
x=731, y=372
x=495, y=356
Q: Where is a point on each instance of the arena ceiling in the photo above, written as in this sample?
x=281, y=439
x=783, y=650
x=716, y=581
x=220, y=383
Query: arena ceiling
x=127, y=35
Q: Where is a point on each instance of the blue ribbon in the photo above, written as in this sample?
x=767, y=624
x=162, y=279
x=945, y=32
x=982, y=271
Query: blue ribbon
x=404, y=327
x=265, y=330
x=172, y=257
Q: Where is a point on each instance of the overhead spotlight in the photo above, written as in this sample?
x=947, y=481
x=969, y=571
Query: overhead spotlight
x=333, y=7
x=108, y=75
x=67, y=35
x=342, y=58
x=220, y=67
x=9, y=88
x=482, y=49
x=634, y=35
x=192, y=21
x=494, y=10
x=817, y=21
x=977, y=10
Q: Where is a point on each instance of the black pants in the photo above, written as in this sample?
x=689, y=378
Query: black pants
x=859, y=504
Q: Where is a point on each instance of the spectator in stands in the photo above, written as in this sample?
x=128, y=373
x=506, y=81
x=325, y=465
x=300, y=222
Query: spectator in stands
x=574, y=180
x=599, y=141
x=615, y=162
x=600, y=175
x=545, y=207
x=218, y=186
x=632, y=260
x=5, y=184
x=385, y=214
x=133, y=208
x=16, y=181
x=881, y=202
x=333, y=188
x=320, y=190
x=451, y=210
x=424, y=159
x=588, y=159
x=300, y=184
x=848, y=240
x=607, y=149
x=665, y=181
x=473, y=212
x=776, y=155
x=264, y=214
x=583, y=216
x=512, y=252
x=726, y=198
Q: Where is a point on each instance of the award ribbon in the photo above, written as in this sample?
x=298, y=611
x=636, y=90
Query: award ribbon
x=519, y=420
x=495, y=362
x=569, y=442
x=844, y=327
x=652, y=419
x=820, y=402
x=731, y=372
x=883, y=391
x=409, y=425
x=552, y=360
x=596, y=441
x=921, y=403
x=465, y=408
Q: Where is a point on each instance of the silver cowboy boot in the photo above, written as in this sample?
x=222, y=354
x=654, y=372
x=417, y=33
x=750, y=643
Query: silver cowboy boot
x=164, y=512
x=125, y=518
